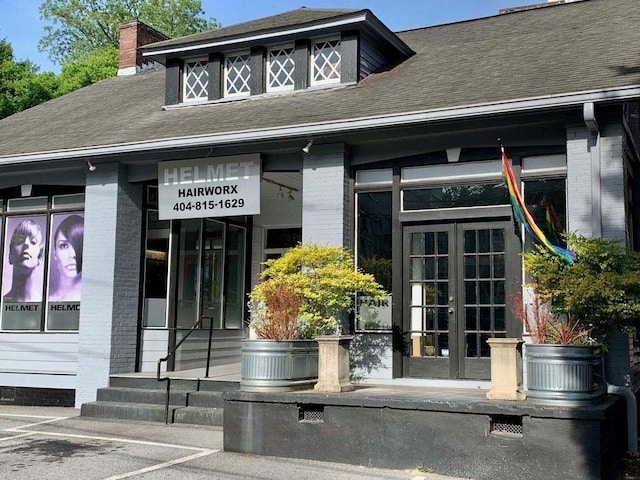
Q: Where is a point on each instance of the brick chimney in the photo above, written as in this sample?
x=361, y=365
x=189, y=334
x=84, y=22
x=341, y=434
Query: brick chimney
x=133, y=35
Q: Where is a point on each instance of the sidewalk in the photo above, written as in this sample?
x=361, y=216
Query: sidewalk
x=55, y=443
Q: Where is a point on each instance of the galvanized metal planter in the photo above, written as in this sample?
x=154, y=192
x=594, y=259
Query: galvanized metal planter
x=278, y=366
x=564, y=375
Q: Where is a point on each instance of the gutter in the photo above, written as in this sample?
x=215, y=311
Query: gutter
x=304, y=131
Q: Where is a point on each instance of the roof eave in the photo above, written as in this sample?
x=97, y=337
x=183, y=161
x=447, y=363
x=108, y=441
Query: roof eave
x=364, y=19
x=259, y=36
x=547, y=102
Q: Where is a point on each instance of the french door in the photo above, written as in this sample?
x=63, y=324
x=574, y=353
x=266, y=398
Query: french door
x=457, y=281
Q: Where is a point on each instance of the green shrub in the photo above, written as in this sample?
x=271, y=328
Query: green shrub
x=599, y=293
x=327, y=280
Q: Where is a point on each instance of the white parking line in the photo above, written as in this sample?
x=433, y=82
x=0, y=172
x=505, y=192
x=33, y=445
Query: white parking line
x=48, y=420
x=19, y=429
x=163, y=465
x=22, y=432
x=111, y=439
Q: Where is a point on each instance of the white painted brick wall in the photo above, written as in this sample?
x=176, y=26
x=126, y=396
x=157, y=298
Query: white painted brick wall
x=612, y=183
x=110, y=280
x=326, y=200
x=579, y=193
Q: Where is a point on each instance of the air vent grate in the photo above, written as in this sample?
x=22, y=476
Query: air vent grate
x=507, y=426
x=311, y=413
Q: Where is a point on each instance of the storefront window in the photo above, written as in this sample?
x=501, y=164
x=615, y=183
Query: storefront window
x=374, y=256
x=188, y=270
x=235, y=259
x=213, y=272
x=42, y=264
x=455, y=196
x=156, y=269
x=65, y=271
x=546, y=201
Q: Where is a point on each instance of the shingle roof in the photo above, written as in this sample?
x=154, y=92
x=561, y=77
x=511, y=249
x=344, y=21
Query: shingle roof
x=275, y=22
x=582, y=46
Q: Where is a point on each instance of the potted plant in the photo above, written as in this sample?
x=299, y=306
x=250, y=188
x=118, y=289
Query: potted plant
x=574, y=311
x=320, y=283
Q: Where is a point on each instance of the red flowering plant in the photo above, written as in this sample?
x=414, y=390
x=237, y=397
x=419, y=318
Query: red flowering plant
x=544, y=327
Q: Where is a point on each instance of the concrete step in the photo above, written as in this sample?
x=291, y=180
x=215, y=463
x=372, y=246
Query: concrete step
x=127, y=411
x=191, y=401
x=153, y=383
x=199, y=416
x=205, y=399
x=207, y=385
x=139, y=395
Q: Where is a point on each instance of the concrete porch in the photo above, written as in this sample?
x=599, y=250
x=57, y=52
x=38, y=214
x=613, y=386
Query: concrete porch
x=451, y=431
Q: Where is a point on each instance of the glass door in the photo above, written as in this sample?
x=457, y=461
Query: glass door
x=212, y=272
x=457, y=278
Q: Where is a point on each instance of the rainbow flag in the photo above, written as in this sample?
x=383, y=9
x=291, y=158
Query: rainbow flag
x=524, y=217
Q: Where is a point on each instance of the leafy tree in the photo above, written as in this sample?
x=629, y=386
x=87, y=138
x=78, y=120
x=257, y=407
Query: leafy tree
x=87, y=69
x=21, y=86
x=78, y=27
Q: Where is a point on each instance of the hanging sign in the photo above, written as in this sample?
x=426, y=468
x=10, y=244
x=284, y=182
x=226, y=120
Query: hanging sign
x=209, y=187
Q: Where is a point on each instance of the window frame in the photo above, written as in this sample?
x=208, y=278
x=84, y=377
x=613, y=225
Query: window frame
x=53, y=205
x=312, y=57
x=268, y=60
x=225, y=76
x=204, y=61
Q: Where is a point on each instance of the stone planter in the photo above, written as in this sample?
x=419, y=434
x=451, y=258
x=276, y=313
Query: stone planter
x=564, y=375
x=333, y=364
x=278, y=366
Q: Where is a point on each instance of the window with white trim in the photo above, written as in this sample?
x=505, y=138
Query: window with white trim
x=280, y=67
x=325, y=62
x=196, y=80
x=237, y=73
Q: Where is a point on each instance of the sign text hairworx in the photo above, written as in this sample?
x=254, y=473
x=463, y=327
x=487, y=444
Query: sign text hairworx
x=209, y=187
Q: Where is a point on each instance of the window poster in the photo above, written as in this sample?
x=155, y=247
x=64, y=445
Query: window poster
x=65, y=271
x=23, y=272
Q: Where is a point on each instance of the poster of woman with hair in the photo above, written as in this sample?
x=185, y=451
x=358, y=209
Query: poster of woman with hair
x=65, y=271
x=23, y=272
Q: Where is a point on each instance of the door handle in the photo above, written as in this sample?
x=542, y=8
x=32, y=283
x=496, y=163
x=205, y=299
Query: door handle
x=451, y=310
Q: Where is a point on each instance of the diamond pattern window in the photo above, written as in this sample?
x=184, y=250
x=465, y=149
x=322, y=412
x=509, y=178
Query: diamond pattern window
x=196, y=80
x=237, y=74
x=280, y=69
x=325, y=59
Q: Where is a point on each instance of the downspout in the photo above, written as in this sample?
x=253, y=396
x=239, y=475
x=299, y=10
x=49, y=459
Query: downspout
x=628, y=392
x=593, y=142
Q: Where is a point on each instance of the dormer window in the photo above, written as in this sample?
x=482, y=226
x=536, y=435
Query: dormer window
x=291, y=52
x=237, y=73
x=280, y=68
x=196, y=80
x=325, y=62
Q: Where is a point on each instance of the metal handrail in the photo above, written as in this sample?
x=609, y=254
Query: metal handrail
x=173, y=351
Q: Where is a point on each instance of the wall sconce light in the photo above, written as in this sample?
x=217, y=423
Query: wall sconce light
x=25, y=190
x=280, y=193
x=307, y=148
x=91, y=166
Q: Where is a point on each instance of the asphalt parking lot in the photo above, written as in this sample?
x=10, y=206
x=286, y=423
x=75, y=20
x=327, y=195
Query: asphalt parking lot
x=57, y=444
